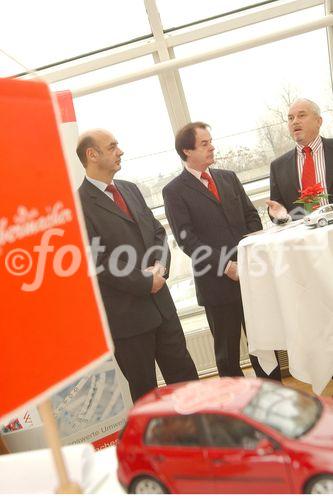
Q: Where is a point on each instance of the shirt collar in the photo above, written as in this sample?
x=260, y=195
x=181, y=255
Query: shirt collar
x=99, y=184
x=196, y=173
x=314, y=145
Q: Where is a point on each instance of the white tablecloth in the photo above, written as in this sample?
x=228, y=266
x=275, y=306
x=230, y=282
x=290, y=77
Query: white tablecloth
x=286, y=278
x=33, y=472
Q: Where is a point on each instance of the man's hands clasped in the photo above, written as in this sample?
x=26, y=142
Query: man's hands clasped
x=157, y=270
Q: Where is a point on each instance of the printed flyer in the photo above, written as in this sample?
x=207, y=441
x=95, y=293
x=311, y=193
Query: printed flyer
x=93, y=409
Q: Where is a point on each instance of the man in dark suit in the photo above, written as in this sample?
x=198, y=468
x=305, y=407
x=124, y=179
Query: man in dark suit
x=132, y=262
x=289, y=173
x=209, y=213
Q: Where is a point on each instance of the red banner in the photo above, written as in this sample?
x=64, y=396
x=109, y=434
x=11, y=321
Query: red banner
x=50, y=311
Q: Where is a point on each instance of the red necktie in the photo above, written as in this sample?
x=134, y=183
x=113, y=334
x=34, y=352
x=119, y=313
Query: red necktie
x=118, y=199
x=211, y=185
x=309, y=173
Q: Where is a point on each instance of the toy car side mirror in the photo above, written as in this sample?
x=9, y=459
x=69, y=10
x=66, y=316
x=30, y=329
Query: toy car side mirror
x=265, y=447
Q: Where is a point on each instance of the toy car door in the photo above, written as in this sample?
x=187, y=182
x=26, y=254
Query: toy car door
x=174, y=447
x=244, y=460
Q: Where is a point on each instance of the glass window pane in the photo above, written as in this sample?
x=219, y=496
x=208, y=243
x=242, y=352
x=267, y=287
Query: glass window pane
x=37, y=32
x=273, y=402
x=180, y=430
x=230, y=432
x=251, y=31
x=136, y=114
x=181, y=281
x=176, y=13
x=243, y=96
x=8, y=66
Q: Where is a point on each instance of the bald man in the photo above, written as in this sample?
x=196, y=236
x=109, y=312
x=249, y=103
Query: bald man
x=132, y=265
x=287, y=171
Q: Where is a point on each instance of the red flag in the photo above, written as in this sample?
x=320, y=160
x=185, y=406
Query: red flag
x=51, y=322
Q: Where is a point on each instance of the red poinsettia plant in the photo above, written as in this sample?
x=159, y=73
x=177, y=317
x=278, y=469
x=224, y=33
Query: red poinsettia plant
x=311, y=196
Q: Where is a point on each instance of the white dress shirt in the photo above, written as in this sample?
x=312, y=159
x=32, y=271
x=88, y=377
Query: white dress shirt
x=319, y=163
x=101, y=185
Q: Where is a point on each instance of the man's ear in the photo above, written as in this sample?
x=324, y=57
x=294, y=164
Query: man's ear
x=91, y=154
x=187, y=152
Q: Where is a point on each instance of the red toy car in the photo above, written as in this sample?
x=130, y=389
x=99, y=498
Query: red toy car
x=227, y=435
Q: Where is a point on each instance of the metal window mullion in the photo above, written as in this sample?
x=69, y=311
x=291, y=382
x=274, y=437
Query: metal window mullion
x=241, y=21
x=181, y=93
x=93, y=63
x=329, y=32
x=170, y=81
x=274, y=36
x=69, y=70
x=176, y=106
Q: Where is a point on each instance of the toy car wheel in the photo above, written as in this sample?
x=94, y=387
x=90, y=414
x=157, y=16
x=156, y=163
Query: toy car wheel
x=322, y=222
x=146, y=485
x=320, y=484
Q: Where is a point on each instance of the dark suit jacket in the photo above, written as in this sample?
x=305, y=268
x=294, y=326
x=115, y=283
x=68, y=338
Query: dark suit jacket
x=130, y=307
x=284, y=181
x=197, y=218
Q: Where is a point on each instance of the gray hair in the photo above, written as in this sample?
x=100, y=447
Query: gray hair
x=314, y=106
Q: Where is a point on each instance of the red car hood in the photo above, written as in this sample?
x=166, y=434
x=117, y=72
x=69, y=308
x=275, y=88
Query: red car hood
x=322, y=433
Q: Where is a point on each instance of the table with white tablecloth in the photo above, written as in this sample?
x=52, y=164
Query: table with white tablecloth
x=286, y=277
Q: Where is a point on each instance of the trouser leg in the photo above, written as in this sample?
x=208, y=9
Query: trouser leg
x=225, y=324
x=136, y=359
x=172, y=356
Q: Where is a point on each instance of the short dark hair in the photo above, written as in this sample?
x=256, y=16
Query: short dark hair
x=185, y=137
x=86, y=142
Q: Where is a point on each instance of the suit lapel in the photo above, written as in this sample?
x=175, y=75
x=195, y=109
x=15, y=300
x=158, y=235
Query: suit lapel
x=328, y=153
x=220, y=185
x=227, y=193
x=104, y=201
x=136, y=211
x=194, y=183
x=291, y=172
x=130, y=200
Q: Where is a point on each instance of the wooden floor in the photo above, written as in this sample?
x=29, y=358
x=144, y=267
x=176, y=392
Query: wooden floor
x=293, y=382
x=297, y=384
